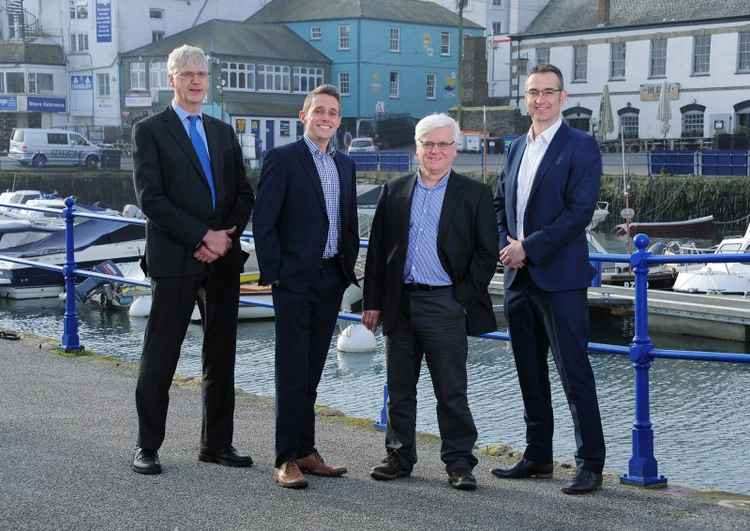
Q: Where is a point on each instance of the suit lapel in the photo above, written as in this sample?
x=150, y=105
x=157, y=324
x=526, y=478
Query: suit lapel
x=512, y=188
x=308, y=164
x=453, y=194
x=550, y=158
x=402, y=204
x=216, y=155
x=177, y=131
x=343, y=189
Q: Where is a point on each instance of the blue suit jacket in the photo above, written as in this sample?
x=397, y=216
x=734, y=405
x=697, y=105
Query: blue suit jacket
x=562, y=200
x=290, y=223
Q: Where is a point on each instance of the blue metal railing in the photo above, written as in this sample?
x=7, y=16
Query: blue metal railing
x=642, y=467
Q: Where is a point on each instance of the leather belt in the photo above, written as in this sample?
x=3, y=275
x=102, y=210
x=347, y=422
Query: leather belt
x=423, y=287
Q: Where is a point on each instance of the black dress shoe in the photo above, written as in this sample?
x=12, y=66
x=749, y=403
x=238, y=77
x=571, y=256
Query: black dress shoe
x=146, y=461
x=462, y=480
x=389, y=469
x=525, y=469
x=585, y=481
x=226, y=456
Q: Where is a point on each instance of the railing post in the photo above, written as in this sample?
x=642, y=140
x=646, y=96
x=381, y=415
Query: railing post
x=70, y=340
x=642, y=467
x=383, y=422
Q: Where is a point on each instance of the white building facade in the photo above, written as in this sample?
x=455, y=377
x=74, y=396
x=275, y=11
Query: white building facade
x=93, y=32
x=704, y=62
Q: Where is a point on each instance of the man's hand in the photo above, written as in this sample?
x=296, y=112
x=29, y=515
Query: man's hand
x=204, y=254
x=513, y=255
x=219, y=241
x=371, y=319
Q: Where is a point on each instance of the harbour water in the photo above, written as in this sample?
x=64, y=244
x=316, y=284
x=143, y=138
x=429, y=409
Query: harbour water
x=699, y=409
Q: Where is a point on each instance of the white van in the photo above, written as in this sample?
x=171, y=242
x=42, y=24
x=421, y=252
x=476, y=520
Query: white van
x=40, y=147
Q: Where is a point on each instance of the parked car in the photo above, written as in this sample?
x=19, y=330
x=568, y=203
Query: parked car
x=363, y=144
x=40, y=147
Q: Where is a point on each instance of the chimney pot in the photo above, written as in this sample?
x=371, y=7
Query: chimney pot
x=602, y=11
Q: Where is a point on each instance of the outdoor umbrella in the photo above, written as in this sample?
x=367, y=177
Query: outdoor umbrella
x=606, y=122
x=664, y=109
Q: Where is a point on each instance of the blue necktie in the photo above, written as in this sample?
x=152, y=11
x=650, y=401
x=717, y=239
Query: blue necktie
x=200, y=150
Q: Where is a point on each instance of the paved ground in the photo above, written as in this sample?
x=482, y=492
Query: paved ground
x=67, y=428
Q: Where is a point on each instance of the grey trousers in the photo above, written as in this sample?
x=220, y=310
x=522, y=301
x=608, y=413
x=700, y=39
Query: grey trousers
x=432, y=325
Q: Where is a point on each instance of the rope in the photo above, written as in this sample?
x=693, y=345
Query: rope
x=734, y=221
x=663, y=206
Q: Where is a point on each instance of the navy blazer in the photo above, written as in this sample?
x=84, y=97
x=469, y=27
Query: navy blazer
x=290, y=223
x=561, y=203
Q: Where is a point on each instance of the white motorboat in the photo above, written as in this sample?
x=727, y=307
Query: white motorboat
x=719, y=278
x=95, y=241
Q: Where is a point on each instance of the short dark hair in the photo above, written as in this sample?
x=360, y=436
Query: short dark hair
x=549, y=69
x=329, y=90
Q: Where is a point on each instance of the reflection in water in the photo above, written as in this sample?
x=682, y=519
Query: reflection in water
x=699, y=409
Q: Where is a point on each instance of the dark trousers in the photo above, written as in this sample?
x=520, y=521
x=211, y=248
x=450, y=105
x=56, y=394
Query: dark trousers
x=538, y=320
x=432, y=324
x=173, y=300
x=304, y=327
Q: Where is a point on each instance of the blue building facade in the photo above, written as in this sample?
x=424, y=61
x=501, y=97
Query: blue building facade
x=388, y=66
x=387, y=56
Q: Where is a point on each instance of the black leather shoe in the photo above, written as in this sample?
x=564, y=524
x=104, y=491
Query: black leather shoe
x=389, y=469
x=146, y=461
x=585, y=481
x=462, y=480
x=525, y=469
x=226, y=456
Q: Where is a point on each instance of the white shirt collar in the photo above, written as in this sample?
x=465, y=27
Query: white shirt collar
x=547, y=134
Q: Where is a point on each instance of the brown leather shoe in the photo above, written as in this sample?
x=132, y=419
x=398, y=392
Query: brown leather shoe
x=289, y=476
x=315, y=465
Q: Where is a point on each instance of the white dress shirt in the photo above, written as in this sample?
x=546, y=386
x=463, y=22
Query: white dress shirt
x=532, y=156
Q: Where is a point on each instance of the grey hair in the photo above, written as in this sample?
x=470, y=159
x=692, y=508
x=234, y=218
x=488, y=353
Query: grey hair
x=185, y=55
x=436, y=121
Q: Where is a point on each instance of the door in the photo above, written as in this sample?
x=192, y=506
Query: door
x=270, y=134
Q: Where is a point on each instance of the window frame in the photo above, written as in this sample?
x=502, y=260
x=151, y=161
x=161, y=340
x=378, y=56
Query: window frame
x=445, y=43
x=394, y=82
x=743, y=56
x=618, y=65
x=102, y=80
x=153, y=11
x=652, y=58
x=344, y=37
x=344, y=81
x=394, y=48
x=547, y=52
x=18, y=76
x=433, y=76
x=576, y=77
x=705, y=57
x=689, y=124
x=137, y=71
x=316, y=33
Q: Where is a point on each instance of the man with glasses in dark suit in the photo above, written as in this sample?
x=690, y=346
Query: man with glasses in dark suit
x=190, y=183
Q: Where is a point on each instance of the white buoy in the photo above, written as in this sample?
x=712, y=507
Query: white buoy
x=356, y=338
x=141, y=306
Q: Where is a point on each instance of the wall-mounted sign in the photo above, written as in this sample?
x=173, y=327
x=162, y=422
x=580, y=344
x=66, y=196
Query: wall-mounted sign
x=103, y=20
x=39, y=104
x=8, y=103
x=650, y=91
x=81, y=82
x=138, y=100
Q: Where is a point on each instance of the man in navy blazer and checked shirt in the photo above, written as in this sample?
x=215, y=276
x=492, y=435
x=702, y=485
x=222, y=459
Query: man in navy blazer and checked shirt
x=306, y=240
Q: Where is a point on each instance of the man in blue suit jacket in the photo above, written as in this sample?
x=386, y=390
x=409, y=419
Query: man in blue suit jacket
x=544, y=200
x=306, y=240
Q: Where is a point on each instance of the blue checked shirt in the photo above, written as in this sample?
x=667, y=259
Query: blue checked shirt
x=329, y=180
x=422, y=261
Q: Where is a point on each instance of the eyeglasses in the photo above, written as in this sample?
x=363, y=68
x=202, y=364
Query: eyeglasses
x=200, y=76
x=547, y=93
x=440, y=145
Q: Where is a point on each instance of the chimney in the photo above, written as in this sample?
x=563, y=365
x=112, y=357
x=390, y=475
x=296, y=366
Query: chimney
x=602, y=11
